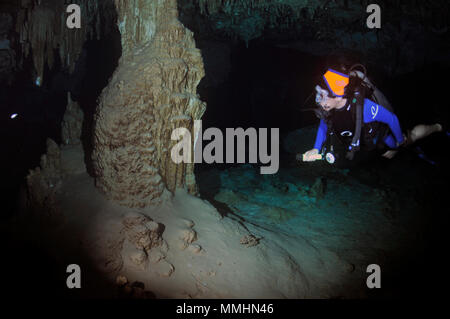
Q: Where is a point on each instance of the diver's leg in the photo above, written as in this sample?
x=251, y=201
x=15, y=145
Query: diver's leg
x=420, y=131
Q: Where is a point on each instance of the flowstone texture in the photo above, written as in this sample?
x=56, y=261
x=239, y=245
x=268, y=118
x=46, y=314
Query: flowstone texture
x=152, y=92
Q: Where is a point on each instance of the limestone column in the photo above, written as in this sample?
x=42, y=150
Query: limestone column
x=152, y=92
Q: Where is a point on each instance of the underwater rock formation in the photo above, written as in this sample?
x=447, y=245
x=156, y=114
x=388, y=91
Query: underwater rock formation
x=325, y=27
x=143, y=243
x=44, y=181
x=72, y=123
x=152, y=92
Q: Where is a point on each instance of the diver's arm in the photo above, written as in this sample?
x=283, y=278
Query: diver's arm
x=313, y=154
x=321, y=135
x=375, y=112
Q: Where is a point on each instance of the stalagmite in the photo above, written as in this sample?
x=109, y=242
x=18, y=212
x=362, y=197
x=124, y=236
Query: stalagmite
x=72, y=123
x=152, y=92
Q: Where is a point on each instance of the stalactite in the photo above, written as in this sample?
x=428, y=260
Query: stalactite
x=42, y=28
x=246, y=19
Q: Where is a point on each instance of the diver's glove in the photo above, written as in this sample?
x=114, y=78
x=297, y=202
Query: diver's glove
x=309, y=156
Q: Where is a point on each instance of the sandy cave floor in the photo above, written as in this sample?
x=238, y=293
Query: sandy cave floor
x=249, y=236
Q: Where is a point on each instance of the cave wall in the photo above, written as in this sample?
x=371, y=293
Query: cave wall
x=7, y=55
x=152, y=92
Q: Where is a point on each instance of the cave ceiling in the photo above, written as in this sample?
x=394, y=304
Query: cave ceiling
x=412, y=32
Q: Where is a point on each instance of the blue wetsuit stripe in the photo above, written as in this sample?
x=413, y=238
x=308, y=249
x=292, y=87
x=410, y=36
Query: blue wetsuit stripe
x=390, y=141
x=321, y=135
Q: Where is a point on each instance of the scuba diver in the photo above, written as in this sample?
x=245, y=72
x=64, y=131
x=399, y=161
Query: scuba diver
x=355, y=116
